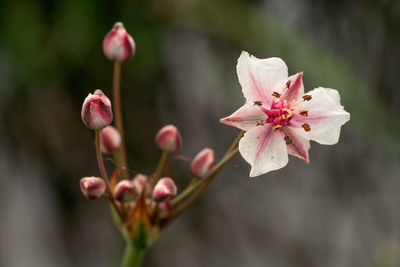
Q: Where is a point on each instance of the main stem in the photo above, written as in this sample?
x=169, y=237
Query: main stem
x=122, y=164
x=133, y=256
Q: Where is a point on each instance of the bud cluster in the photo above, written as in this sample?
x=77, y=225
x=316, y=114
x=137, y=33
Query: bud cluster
x=129, y=190
x=144, y=198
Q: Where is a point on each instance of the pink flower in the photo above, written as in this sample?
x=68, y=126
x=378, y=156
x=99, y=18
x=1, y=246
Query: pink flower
x=278, y=117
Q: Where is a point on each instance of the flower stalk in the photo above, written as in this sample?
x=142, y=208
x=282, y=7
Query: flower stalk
x=122, y=163
x=207, y=181
x=104, y=175
x=160, y=166
x=194, y=190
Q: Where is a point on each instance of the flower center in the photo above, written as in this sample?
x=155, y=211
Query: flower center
x=279, y=114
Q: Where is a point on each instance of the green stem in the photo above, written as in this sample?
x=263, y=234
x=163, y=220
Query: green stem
x=194, y=184
x=122, y=164
x=133, y=256
x=201, y=184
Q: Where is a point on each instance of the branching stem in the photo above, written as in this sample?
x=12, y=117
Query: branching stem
x=194, y=190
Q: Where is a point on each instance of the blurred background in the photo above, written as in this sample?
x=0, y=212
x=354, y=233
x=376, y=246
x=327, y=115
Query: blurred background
x=342, y=209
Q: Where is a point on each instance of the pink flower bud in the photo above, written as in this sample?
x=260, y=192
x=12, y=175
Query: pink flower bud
x=92, y=187
x=118, y=45
x=164, y=190
x=124, y=191
x=168, y=138
x=142, y=182
x=96, y=111
x=110, y=139
x=202, y=163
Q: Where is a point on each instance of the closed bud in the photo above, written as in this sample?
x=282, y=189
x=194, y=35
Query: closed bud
x=168, y=138
x=202, y=163
x=164, y=190
x=110, y=139
x=124, y=191
x=96, y=111
x=92, y=187
x=142, y=182
x=118, y=45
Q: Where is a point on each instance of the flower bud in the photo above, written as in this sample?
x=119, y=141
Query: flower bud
x=124, y=191
x=110, y=139
x=202, y=163
x=142, y=182
x=164, y=190
x=168, y=138
x=92, y=187
x=96, y=111
x=118, y=45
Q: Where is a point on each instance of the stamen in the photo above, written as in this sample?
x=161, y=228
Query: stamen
x=307, y=97
x=257, y=103
x=288, y=140
x=289, y=112
x=260, y=122
x=306, y=127
x=276, y=127
x=276, y=94
x=303, y=112
x=288, y=83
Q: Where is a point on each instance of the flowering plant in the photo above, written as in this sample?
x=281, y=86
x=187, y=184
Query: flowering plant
x=277, y=119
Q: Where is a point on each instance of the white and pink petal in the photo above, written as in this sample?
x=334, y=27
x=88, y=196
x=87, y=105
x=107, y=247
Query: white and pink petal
x=259, y=78
x=297, y=145
x=293, y=87
x=245, y=118
x=264, y=149
x=325, y=116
